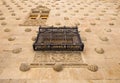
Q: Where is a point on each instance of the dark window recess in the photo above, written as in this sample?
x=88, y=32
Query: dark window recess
x=45, y=11
x=33, y=16
x=35, y=11
x=58, y=39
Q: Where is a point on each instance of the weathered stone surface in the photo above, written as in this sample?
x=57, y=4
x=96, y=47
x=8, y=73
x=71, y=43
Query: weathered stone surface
x=11, y=38
x=88, y=30
x=58, y=67
x=24, y=67
x=6, y=30
x=33, y=38
x=103, y=38
x=16, y=50
x=93, y=68
x=99, y=50
x=27, y=30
